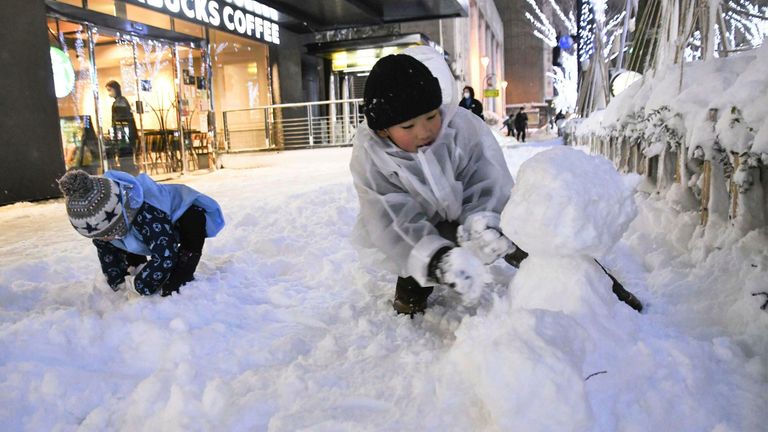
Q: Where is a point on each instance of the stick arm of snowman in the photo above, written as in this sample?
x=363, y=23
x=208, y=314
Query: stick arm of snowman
x=621, y=292
x=515, y=257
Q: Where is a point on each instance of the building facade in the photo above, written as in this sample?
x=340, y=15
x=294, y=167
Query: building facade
x=473, y=46
x=145, y=85
x=157, y=86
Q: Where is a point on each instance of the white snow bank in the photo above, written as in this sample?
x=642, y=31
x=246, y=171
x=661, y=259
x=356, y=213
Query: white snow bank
x=576, y=358
x=702, y=280
x=285, y=330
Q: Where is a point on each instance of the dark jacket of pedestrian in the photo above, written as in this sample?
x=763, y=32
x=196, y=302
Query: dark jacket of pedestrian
x=521, y=120
x=469, y=102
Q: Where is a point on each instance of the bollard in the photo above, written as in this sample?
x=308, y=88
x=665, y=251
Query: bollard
x=733, y=189
x=706, y=180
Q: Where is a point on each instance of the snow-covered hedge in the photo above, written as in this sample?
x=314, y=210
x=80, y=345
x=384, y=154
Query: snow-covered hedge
x=697, y=131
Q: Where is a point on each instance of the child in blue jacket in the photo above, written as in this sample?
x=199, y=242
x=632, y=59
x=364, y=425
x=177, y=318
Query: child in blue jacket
x=130, y=218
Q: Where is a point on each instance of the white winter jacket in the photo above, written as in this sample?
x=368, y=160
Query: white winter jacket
x=403, y=195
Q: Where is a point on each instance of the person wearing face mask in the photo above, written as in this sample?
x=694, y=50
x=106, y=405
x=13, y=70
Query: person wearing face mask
x=469, y=102
x=431, y=181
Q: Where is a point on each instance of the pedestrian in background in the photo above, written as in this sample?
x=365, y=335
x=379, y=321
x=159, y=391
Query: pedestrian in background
x=521, y=124
x=469, y=102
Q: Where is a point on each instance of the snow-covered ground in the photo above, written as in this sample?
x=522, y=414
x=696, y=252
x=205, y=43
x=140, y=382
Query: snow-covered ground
x=286, y=329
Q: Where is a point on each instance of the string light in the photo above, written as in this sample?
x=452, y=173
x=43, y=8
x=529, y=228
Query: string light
x=586, y=31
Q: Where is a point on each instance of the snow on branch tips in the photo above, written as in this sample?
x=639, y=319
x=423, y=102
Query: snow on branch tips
x=543, y=27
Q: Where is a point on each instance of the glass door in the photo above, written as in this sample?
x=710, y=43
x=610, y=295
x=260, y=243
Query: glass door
x=70, y=51
x=157, y=91
x=137, y=102
x=118, y=98
x=194, y=106
x=130, y=103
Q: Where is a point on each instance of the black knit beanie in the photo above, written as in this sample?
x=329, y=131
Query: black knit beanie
x=398, y=89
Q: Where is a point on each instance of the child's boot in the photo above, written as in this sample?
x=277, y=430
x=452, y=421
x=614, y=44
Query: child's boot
x=410, y=297
x=183, y=272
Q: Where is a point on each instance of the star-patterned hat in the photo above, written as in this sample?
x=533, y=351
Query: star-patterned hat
x=97, y=207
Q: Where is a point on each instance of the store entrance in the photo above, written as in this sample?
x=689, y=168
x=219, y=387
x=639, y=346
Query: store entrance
x=136, y=105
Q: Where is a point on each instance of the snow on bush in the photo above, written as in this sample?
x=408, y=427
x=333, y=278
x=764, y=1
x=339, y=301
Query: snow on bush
x=670, y=113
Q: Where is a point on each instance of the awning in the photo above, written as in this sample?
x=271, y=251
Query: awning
x=309, y=16
x=326, y=49
x=362, y=54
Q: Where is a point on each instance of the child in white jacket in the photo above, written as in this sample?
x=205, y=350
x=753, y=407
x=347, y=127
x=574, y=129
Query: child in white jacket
x=431, y=180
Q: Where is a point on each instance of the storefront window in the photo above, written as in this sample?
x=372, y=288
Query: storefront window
x=194, y=106
x=240, y=82
x=114, y=66
x=161, y=117
x=71, y=64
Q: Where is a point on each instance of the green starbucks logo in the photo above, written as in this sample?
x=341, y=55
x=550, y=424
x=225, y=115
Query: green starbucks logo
x=63, y=72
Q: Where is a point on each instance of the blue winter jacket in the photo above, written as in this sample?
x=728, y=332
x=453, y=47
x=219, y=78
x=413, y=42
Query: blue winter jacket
x=173, y=199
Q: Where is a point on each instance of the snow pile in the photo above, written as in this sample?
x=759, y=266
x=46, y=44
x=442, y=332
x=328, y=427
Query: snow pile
x=703, y=280
x=284, y=329
x=559, y=352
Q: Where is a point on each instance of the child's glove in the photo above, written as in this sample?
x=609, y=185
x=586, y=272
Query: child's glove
x=479, y=235
x=459, y=269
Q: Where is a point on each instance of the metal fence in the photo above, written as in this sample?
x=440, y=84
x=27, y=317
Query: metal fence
x=292, y=126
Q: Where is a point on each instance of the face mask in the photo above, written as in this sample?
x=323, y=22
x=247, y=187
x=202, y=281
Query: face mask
x=466, y=95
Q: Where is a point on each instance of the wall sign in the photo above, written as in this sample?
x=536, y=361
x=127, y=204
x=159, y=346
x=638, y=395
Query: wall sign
x=63, y=73
x=241, y=17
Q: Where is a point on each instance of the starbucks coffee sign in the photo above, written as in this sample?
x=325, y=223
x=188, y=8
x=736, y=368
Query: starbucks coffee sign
x=242, y=17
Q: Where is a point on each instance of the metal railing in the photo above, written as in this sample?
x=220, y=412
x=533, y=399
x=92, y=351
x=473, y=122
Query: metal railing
x=292, y=126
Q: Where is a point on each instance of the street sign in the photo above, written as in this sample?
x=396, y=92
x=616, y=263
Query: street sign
x=491, y=92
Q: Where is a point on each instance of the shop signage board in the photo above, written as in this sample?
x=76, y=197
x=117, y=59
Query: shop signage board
x=241, y=17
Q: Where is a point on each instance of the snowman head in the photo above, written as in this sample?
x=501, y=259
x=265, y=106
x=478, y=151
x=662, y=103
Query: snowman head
x=568, y=203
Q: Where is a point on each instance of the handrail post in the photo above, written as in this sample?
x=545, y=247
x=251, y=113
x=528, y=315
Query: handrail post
x=332, y=120
x=345, y=113
x=267, y=130
x=226, y=132
x=309, y=121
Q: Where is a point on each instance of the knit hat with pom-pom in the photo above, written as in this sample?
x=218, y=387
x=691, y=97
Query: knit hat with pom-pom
x=95, y=205
x=398, y=89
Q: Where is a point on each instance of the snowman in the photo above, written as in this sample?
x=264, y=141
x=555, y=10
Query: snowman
x=567, y=210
